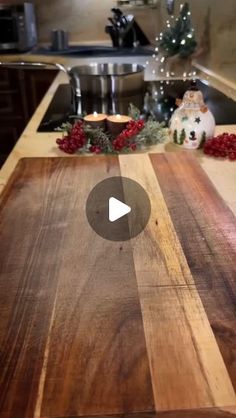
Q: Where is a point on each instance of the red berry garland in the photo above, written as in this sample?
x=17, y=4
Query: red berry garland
x=223, y=146
x=95, y=148
x=76, y=139
x=123, y=141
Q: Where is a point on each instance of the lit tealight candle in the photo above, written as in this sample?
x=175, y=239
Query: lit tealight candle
x=96, y=120
x=117, y=123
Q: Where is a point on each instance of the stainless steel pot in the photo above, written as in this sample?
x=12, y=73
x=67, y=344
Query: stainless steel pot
x=100, y=80
x=107, y=79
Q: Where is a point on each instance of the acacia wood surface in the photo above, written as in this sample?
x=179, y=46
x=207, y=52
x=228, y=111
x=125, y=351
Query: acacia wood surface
x=89, y=327
x=72, y=339
x=206, y=230
x=175, y=322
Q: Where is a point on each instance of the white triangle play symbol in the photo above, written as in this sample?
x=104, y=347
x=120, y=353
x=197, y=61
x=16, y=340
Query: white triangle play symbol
x=117, y=209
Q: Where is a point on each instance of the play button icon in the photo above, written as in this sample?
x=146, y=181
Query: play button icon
x=118, y=208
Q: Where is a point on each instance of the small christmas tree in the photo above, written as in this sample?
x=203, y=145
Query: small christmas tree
x=182, y=137
x=175, y=136
x=179, y=39
x=203, y=139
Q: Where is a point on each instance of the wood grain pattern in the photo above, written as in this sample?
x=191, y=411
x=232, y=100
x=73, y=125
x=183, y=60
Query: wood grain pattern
x=91, y=327
x=175, y=323
x=67, y=293
x=229, y=412
x=207, y=231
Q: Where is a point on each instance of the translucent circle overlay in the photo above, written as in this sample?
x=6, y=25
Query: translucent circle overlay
x=127, y=191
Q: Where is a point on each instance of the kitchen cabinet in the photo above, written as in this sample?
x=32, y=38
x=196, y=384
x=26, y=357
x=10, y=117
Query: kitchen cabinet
x=21, y=91
x=37, y=83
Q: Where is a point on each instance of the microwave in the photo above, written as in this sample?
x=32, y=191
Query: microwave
x=17, y=27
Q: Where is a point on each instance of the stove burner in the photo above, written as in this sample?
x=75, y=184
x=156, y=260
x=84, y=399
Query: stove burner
x=159, y=101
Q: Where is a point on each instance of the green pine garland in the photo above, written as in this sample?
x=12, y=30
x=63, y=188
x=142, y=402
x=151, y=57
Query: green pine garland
x=152, y=133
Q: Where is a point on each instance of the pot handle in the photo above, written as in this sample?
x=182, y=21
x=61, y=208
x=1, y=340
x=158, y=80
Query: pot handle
x=31, y=65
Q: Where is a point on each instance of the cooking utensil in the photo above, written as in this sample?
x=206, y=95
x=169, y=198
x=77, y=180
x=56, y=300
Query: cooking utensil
x=107, y=79
x=100, y=80
x=114, y=34
x=170, y=5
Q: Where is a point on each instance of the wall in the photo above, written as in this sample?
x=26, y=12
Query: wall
x=214, y=22
x=85, y=19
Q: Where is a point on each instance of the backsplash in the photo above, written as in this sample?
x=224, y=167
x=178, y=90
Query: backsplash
x=214, y=21
x=86, y=19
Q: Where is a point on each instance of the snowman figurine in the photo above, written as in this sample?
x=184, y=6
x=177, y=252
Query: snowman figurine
x=192, y=123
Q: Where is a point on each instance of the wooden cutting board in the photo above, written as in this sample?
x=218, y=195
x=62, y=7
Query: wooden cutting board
x=141, y=328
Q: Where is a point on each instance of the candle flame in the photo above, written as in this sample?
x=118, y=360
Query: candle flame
x=118, y=116
x=95, y=114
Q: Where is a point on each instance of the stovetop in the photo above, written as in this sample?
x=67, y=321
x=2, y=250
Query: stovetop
x=158, y=99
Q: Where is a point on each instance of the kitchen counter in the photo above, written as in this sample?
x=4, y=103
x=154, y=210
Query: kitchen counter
x=34, y=144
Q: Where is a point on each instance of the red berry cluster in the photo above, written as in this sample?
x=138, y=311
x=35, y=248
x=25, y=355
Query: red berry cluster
x=122, y=141
x=223, y=146
x=75, y=140
x=95, y=149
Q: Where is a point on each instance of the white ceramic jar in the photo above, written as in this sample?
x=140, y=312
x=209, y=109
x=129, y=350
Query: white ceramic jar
x=192, y=123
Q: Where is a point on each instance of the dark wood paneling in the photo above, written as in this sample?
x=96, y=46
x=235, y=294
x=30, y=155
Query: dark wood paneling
x=10, y=130
x=37, y=84
x=20, y=93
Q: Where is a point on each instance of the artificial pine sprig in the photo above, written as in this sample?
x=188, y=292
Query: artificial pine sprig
x=133, y=112
x=179, y=39
x=153, y=133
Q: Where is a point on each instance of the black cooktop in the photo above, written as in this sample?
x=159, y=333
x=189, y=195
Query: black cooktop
x=158, y=99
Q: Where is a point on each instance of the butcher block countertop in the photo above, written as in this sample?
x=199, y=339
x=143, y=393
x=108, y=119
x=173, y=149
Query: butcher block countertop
x=90, y=327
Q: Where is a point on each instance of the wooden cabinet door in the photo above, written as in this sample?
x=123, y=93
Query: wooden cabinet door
x=10, y=131
x=37, y=84
x=21, y=91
